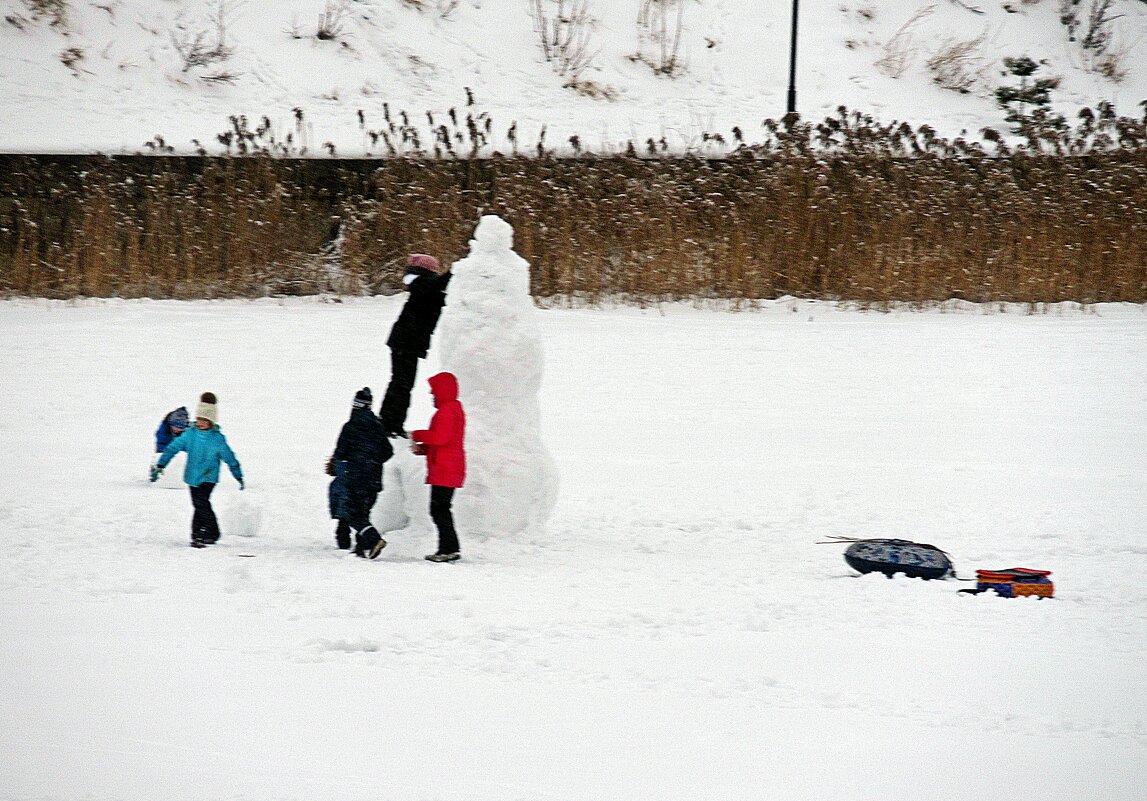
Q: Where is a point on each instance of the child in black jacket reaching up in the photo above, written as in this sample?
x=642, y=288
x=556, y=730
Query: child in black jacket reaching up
x=409, y=339
x=361, y=451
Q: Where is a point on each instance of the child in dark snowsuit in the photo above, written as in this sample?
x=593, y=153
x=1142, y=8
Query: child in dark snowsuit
x=409, y=338
x=442, y=445
x=171, y=426
x=206, y=447
x=357, y=462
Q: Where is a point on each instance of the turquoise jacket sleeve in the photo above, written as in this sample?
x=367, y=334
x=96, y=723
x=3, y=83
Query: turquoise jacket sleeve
x=175, y=446
x=228, y=456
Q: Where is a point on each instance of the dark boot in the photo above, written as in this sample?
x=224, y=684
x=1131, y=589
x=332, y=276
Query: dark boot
x=443, y=557
x=342, y=535
x=370, y=540
x=378, y=544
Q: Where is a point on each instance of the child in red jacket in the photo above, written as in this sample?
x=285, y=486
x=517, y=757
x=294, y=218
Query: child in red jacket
x=442, y=445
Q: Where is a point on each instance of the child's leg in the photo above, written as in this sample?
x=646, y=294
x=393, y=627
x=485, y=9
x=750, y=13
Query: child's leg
x=443, y=517
x=396, y=401
x=204, y=525
x=342, y=535
x=358, y=518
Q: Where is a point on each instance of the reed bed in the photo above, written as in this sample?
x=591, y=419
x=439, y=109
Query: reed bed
x=843, y=210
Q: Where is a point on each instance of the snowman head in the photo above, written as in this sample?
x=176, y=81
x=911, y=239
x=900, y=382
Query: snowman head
x=493, y=235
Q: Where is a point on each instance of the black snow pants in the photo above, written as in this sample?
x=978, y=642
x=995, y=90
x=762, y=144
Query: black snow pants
x=396, y=402
x=443, y=517
x=358, y=506
x=204, y=525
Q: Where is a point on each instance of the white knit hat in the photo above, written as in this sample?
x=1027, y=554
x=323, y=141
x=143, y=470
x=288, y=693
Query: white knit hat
x=207, y=408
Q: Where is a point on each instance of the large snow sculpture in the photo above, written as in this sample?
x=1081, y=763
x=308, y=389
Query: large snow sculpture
x=489, y=339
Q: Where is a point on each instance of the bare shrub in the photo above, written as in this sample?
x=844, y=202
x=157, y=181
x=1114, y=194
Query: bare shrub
x=591, y=88
x=194, y=51
x=1097, y=38
x=1069, y=17
x=200, y=47
x=220, y=77
x=55, y=11
x=332, y=21
x=71, y=57
x=1112, y=65
x=659, y=27
x=957, y=64
x=440, y=8
x=900, y=50
x=565, y=29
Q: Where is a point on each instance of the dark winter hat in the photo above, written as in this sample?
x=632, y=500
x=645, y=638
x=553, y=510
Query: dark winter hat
x=363, y=398
x=178, y=419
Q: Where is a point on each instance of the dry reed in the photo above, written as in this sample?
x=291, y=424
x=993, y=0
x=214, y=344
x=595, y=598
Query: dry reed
x=843, y=210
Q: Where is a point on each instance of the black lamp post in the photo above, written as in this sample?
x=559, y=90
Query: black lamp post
x=793, y=64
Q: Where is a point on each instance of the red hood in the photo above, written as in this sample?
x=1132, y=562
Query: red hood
x=444, y=387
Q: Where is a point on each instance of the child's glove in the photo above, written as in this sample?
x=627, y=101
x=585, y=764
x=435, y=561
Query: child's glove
x=330, y=468
x=242, y=486
x=155, y=472
x=418, y=449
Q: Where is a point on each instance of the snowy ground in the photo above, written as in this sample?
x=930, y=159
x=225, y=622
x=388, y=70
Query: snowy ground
x=674, y=634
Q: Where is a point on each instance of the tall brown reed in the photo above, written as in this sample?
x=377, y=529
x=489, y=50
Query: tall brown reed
x=844, y=210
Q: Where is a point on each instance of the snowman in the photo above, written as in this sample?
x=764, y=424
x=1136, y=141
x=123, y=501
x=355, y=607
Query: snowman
x=489, y=339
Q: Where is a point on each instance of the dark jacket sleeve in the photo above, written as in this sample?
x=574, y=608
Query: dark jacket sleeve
x=427, y=282
x=343, y=446
x=162, y=436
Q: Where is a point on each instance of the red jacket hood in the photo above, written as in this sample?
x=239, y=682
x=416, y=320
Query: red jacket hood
x=444, y=387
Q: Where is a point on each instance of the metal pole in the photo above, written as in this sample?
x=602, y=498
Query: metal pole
x=793, y=64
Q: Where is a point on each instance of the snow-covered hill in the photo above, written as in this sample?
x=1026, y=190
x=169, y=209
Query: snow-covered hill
x=110, y=75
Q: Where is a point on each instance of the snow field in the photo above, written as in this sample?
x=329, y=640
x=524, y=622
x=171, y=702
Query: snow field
x=673, y=633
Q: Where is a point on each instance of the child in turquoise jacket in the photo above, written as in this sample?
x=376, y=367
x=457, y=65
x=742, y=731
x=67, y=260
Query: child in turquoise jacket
x=206, y=447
